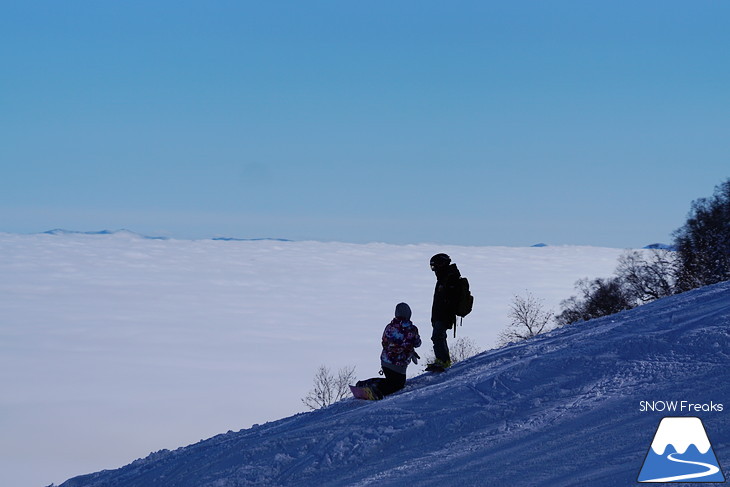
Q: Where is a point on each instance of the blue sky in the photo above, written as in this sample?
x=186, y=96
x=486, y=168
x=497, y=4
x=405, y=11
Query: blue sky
x=477, y=123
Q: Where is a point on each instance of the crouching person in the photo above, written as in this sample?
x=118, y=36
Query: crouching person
x=400, y=339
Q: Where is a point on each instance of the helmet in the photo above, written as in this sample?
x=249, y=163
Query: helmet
x=440, y=261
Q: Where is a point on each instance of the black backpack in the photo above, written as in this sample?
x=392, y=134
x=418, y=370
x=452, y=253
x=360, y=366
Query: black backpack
x=465, y=301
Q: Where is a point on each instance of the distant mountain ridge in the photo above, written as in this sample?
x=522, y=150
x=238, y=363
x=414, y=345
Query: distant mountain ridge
x=61, y=231
x=660, y=246
x=235, y=239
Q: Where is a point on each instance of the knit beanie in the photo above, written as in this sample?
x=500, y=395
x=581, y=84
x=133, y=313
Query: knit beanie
x=403, y=311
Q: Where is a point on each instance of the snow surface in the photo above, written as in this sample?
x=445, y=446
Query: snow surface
x=112, y=344
x=558, y=410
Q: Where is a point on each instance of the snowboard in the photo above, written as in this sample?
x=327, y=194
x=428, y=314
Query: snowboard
x=363, y=393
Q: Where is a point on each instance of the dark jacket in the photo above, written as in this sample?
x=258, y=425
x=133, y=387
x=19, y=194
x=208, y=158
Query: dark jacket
x=446, y=295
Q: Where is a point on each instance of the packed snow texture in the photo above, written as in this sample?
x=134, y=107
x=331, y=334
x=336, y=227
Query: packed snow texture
x=112, y=345
x=558, y=410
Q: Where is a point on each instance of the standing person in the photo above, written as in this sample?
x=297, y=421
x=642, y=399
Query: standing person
x=443, y=311
x=400, y=339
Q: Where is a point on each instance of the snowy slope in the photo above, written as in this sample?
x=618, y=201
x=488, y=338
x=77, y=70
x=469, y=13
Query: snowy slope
x=563, y=409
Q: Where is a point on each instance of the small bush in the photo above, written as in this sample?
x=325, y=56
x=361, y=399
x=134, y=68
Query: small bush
x=329, y=388
x=528, y=318
x=462, y=349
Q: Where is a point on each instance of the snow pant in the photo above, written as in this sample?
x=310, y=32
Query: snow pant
x=393, y=382
x=438, y=337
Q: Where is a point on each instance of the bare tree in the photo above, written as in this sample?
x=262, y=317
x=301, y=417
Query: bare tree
x=648, y=278
x=703, y=242
x=329, y=388
x=600, y=297
x=528, y=318
x=463, y=348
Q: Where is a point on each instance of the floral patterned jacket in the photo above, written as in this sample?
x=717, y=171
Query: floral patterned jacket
x=400, y=338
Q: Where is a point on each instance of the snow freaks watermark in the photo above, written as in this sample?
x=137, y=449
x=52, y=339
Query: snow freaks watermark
x=680, y=450
x=679, y=407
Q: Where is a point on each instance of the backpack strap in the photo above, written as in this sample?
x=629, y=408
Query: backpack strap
x=461, y=322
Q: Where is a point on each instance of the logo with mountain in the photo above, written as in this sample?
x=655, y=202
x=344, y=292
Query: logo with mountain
x=681, y=452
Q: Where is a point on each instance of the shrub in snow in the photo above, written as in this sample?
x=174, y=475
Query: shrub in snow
x=528, y=318
x=461, y=349
x=329, y=388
